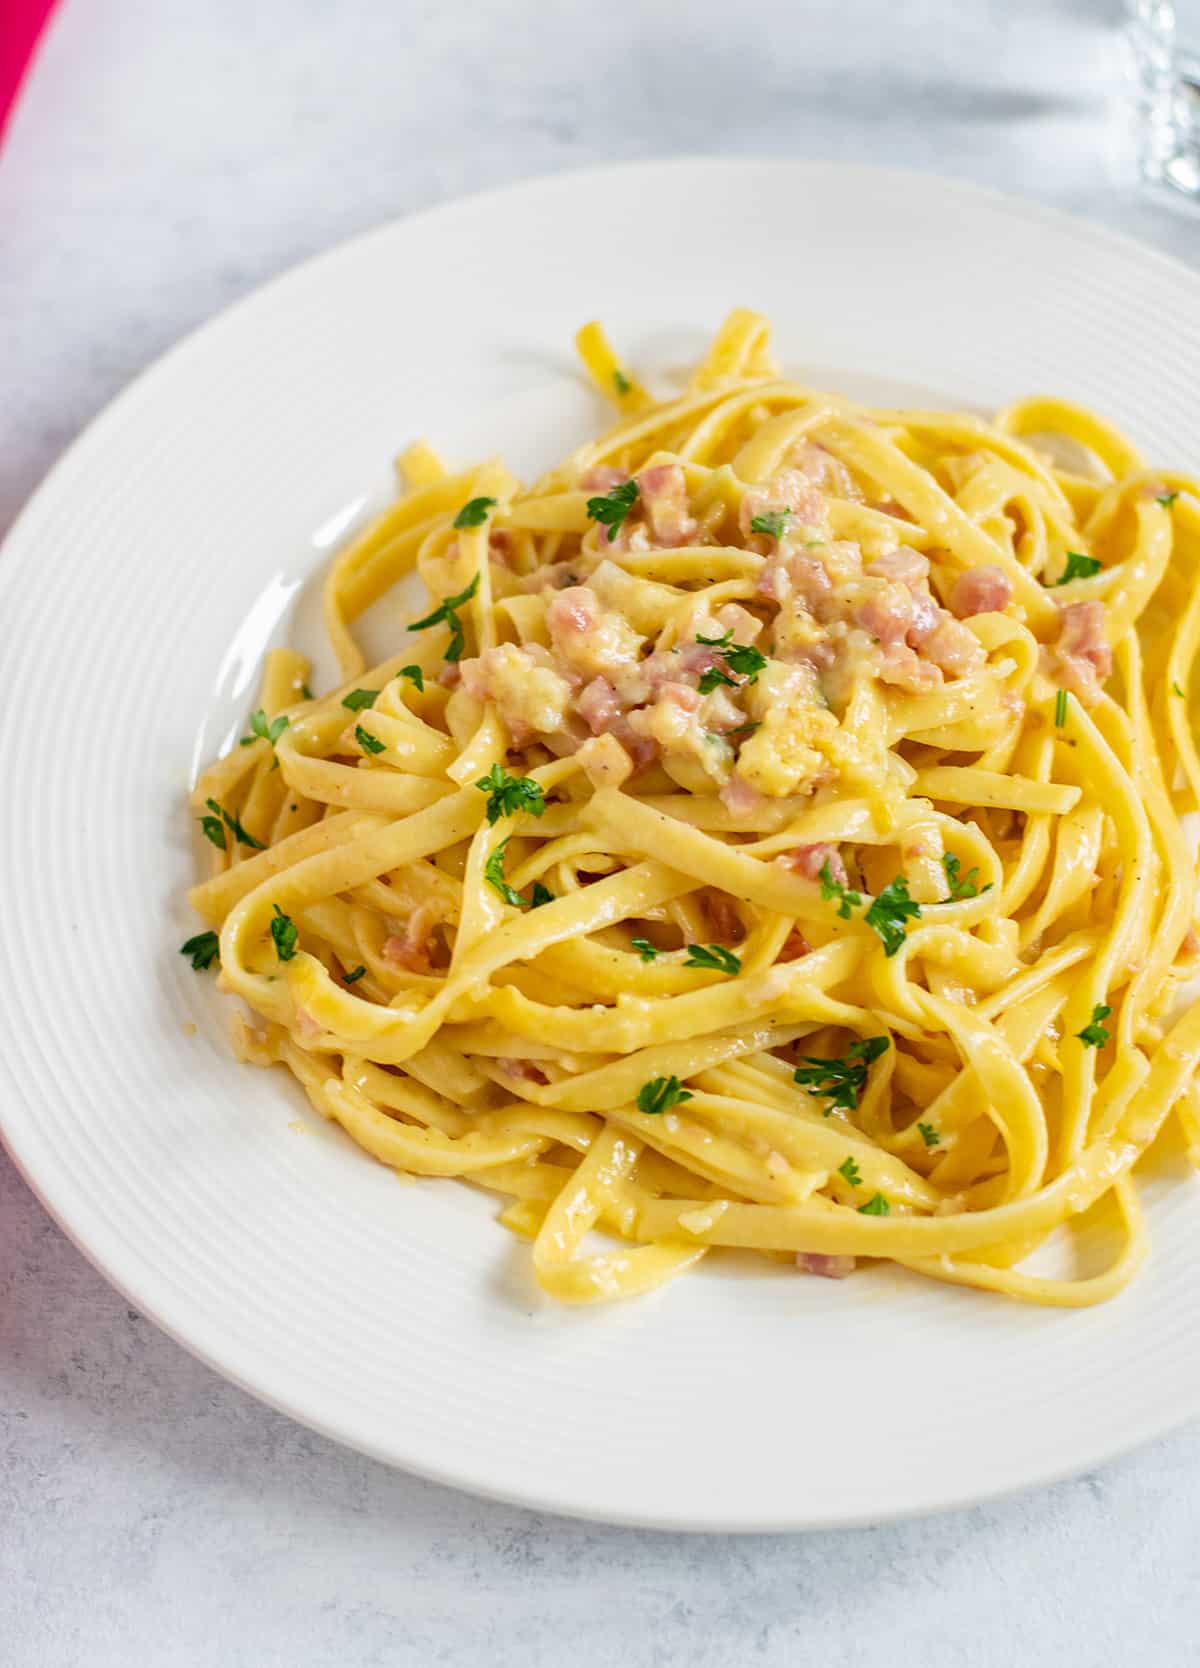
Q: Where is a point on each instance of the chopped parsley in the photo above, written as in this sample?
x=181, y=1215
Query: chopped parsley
x=928, y=1134
x=878, y=1206
x=965, y=886
x=307, y=692
x=660, y=1094
x=843, y=1081
x=359, y=700
x=353, y=978
x=743, y=730
x=831, y=888
x=204, y=949
x=214, y=827
x=889, y=912
x=415, y=675
x=493, y=873
x=742, y=658
x=474, y=512
x=713, y=678
x=715, y=958
x=772, y=524
x=1166, y=499
x=611, y=509
x=850, y=1170
x=1094, y=1034
x=1060, y=709
x=283, y=931
x=1078, y=566
x=509, y=794
x=261, y=730
x=621, y=383
x=1175, y=690
x=446, y=613
x=368, y=742
x=645, y=949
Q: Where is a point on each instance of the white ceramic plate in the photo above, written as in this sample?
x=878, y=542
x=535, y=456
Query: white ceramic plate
x=137, y=594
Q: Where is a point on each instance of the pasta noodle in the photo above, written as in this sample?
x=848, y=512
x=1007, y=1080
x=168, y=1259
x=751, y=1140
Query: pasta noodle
x=769, y=837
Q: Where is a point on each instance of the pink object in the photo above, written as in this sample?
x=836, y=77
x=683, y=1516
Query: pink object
x=20, y=31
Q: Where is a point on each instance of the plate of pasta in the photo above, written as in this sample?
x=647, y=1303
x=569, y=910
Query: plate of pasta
x=608, y=886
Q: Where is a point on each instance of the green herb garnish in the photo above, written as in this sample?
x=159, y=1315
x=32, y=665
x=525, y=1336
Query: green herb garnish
x=612, y=508
x=283, y=931
x=928, y=1134
x=967, y=885
x=714, y=678
x=214, y=827
x=509, y=794
x=446, y=613
x=353, y=978
x=474, y=512
x=742, y=658
x=1094, y=1034
x=368, y=742
x=359, y=700
x=621, y=382
x=415, y=675
x=645, y=949
x=307, y=692
x=204, y=949
x=1060, y=708
x=660, y=1094
x=850, y=1170
x=843, y=1081
x=878, y=1206
x=772, y=524
x=1175, y=690
x=831, y=888
x=540, y=895
x=1078, y=566
x=261, y=730
x=1166, y=499
x=889, y=912
x=715, y=958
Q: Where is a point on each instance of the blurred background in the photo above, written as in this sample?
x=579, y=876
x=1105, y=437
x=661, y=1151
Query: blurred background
x=164, y=158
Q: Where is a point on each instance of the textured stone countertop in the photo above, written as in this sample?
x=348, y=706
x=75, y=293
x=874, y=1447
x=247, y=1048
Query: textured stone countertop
x=168, y=156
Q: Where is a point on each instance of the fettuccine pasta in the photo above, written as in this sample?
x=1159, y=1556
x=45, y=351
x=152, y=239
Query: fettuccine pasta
x=768, y=836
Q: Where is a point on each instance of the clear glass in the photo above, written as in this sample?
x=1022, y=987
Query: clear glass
x=1164, y=38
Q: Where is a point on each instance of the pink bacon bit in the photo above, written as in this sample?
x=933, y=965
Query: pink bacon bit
x=410, y=949
x=789, y=490
x=602, y=477
x=1081, y=657
x=599, y=706
x=810, y=860
x=663, y=492
x=795, y=945
x=308, y=1029
x=982, y=590
x=905, y=566
x=829, y=1265
x=739, y=798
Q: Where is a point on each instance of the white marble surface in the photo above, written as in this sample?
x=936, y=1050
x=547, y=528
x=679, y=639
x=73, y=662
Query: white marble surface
x=169, y=155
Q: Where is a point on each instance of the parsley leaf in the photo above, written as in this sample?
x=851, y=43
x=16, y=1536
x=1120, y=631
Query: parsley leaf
x=1060, y=708
x=889, y=912
x=540, y=895
x=415, y=675
x=204, y=949
x=612, y=508
x=850, y=1170
x=743, y=730
x=831, y=888
x=928, y=1134
x=721, y=642
x=283, y=931
x=967, y=886
x=493, y=873
x=746, y=660
x=447, y=613
x=353, y=978
x=1078, y=566
x=660, y=1094
x=716, y=958
x=213, y=830
x=1175, y=690
x=772, y=524
x=713, y=678
x=261, y=730
x=621, y=382
x=843, y=1081
x=878, y=1206
x=307, y=692
x=474, y=512
x=359, y=700
x=645, y=949
x=1166, y=499
x=368, y=742
x=509, y=794
x=1095, y=1035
